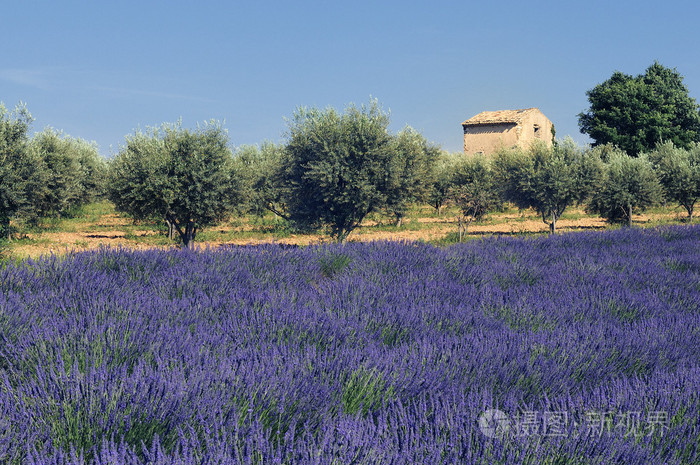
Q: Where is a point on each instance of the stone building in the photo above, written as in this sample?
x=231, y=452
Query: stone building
x=490, y=130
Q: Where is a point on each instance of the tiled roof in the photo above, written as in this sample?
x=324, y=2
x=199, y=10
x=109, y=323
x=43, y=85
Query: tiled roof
x=499, y=117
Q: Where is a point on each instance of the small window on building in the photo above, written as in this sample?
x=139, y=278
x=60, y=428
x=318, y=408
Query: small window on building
x=537, y=131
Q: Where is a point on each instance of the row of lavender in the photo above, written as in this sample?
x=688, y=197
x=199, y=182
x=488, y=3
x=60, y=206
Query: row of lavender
x=572, y=349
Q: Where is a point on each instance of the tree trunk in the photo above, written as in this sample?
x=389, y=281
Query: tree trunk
x=553, y=224
x=276, y=211
x=399, y=220
x=5, y=228
x=187, y=235
x=186, y=241
x=190, y=234
x=171, y=229
x=629, y=215
x=463, y=225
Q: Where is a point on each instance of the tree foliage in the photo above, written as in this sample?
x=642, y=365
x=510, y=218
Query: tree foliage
x=74, y=172
x=259, y=170
x=547, y=179
x=184, y=177
x=628, y=185
x=338, y=167
x=20, y=169
x=678, y=171
x=637, y=113
x=411, y=171
x=442, y=179
x=473, y=190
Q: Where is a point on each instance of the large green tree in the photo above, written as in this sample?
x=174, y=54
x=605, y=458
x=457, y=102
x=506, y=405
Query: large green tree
x=339, y=167
x=638, y=112
x=184, y=177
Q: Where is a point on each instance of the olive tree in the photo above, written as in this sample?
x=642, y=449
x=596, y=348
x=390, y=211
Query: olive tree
x=259, y=171
x=184, y=177
x=629, y=184
x=678, y=171
x=74, y=172
x=93, y=171
x=442, y=179
x=337, y=167
x=473, y=190
x=547, y=179
x=411, y=172
x=21, y=172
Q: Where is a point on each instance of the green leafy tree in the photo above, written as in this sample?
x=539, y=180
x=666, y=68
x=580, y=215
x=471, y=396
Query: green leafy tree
x=62, y=188
x=93, y=171
x=138, y=181
x=21, y=172
x=260, y=169
x=182, y=176
x=510, y=167
x=547, y=179
x=74, y=172
x=629, y=184
x=678, y=171
x=412, y=164
x=337, y=167
x=636, y=113
x=443, y=179
x=473, y=190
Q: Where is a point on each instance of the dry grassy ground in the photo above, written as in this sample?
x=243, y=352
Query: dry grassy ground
x=99, y=225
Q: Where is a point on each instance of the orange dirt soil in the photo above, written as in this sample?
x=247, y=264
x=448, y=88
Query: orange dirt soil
x=107, y=232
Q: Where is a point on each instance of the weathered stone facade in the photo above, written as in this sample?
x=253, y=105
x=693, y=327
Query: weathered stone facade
x=490, y=130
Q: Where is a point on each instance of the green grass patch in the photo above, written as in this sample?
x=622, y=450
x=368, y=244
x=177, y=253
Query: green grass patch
x=331, y=264
x=365, y=391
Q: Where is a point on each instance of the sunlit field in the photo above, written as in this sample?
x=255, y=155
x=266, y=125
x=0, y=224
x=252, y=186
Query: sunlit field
x=580, y=348
x=97, y=225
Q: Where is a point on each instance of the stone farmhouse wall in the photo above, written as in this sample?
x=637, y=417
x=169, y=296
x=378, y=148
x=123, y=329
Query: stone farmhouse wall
x=489, y=131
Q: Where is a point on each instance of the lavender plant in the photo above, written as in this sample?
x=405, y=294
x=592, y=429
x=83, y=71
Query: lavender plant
x=358, y=353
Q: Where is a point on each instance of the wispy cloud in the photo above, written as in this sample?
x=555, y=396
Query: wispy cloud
x=121, y=92
x=52, y=79
x=37, y=78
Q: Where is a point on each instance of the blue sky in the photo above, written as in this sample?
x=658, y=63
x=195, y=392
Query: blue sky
x=99, y=70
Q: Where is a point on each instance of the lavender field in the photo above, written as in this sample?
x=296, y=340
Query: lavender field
x=576, y=349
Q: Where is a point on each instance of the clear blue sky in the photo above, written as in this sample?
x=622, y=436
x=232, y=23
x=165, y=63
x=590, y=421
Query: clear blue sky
x=100, y=69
